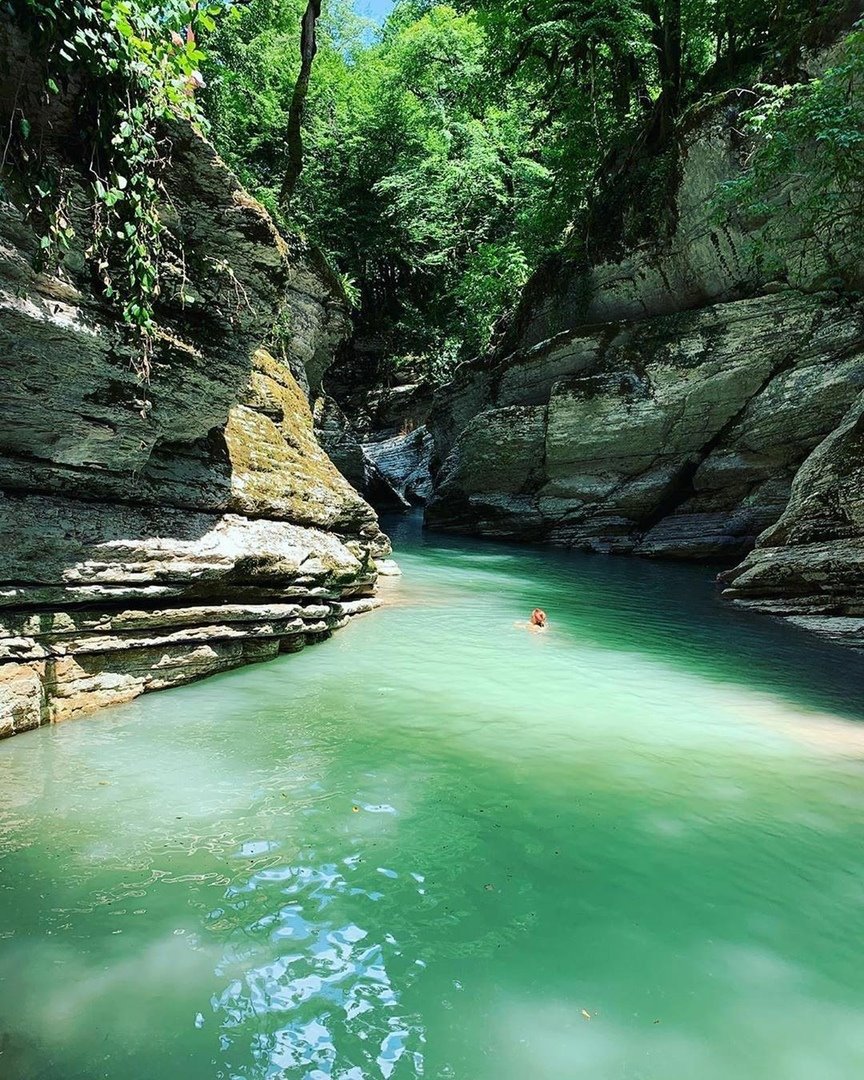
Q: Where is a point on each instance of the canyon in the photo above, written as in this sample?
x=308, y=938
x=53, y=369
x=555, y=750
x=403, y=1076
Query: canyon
x=672, y=397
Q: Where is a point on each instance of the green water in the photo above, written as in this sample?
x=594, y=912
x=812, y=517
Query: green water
x=427, y=846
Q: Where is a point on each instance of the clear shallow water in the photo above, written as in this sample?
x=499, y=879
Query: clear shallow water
x=427, y=846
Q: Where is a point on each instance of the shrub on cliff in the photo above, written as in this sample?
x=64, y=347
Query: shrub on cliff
x=805, y=174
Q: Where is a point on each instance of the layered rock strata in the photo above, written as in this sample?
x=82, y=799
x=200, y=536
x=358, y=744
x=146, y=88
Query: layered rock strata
x=405, y=463
x=152, y=532
x=670, y=399
x=384, y=449
x=810, y=566
x=677, y=436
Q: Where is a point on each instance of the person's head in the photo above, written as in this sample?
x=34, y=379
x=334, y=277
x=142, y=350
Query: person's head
x=538, y=617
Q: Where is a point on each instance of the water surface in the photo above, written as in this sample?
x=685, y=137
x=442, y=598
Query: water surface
x=440, y=845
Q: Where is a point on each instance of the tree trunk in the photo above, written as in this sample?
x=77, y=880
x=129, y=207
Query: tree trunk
x=666, y=17
x=672, y=50
x=308, y=48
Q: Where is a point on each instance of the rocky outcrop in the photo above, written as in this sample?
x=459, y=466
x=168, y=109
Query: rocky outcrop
x=348, y=451
x=154, y=532
x=393, y=410
x=405, y=463
x=810, y=566
x=677, y=436
x=393, y=472
x=669, y=399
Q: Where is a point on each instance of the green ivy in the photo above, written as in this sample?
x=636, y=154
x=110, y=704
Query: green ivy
x=135, y=65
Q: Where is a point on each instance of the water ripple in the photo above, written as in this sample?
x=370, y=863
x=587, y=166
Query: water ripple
x=331, y=987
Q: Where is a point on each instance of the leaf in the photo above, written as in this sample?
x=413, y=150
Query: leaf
x=24, y=125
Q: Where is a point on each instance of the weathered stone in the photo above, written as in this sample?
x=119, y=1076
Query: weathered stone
x=153, y=532
x=680, y=439
x=681, y=401
x=277, y=466
x=404, y=461
x=357, y=461
x=496, y=460
x=810, y=565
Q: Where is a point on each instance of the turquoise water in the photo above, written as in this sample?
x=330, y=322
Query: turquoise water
x=441, y=845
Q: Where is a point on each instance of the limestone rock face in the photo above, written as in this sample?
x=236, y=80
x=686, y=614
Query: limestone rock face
x=347, y=448
x=810, y=566
x=670, y=401
x=100, y=602
x=152, y=532
x=676, y=436
x=384, y=449
x=689, y=257
x=404, y=461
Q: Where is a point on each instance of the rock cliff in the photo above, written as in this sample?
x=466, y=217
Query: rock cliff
x=384, y=449
x=152, y=533
x=669, y=398
x=810, y=566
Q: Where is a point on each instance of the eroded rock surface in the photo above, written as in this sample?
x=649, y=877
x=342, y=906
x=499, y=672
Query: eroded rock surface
x=405, y=463
x=155, y=532
x=810, y=566
x=384, y=448
x=676, y=436
x=669, y=400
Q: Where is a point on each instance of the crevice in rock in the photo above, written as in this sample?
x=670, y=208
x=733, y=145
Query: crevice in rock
x=681, y=488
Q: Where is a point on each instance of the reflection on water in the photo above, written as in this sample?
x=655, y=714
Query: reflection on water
x=333, y=983
x=442, y=846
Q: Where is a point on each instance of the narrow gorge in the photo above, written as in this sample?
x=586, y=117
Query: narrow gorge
x=571, y=294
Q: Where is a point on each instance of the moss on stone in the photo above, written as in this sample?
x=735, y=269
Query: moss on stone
x=277, y=465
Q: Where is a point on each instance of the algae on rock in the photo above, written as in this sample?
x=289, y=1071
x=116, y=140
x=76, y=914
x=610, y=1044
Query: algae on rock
x=152, y=534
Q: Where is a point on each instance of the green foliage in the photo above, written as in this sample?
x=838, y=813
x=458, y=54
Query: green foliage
x=419, y=166
x=449, y=154
x=805, y=176
x=133, y=64
x=492, y=278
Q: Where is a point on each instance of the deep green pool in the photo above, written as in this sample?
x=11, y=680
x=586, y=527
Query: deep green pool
x=434, y=844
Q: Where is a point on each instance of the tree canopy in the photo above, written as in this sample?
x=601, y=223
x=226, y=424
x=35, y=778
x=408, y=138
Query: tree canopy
x=445, y=154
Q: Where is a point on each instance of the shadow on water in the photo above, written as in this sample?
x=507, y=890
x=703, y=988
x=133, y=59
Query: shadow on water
x=659, y=609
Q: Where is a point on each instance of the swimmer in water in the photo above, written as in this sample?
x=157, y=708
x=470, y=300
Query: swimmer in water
x=537, y=622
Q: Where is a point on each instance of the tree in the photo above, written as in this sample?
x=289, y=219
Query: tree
x=445, y=156
x=308, y=49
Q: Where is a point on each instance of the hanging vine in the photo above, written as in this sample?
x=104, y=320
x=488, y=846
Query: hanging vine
x=131, y=66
